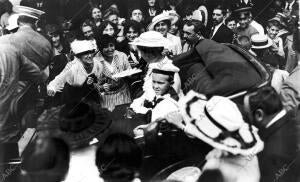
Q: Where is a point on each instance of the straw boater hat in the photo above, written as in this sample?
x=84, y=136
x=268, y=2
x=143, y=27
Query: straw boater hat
x=151, y=39
x=81, y=46
x=165, y=69
x=80, y=124
x=219, y=123
x=171, y=16
x=261, y=41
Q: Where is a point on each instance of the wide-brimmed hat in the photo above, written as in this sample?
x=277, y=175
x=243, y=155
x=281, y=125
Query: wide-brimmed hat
x=80, y=46
x=219, y=123
x=260, y=41
x=171, y=16
x=151, y=39
x=80, y=124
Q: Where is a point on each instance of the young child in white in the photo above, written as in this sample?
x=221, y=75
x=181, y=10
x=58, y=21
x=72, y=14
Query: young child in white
x=165, y=99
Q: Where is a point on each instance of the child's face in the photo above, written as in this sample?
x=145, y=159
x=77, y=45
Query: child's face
x=160, y=83
x=272, y=31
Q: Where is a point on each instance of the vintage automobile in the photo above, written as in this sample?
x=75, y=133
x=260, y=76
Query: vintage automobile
x=211, y=69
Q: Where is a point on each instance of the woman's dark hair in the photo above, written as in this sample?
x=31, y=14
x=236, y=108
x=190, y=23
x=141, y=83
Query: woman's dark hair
x=55, y=29
x=267, y=99
x=136, y=26
x=91, y=11
x=49, y=162
x=119, y=158
x=103, y=25
x=273, y=23
x=103, y=41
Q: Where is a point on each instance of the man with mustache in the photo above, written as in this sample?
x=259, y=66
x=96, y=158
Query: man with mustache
x=220, y=32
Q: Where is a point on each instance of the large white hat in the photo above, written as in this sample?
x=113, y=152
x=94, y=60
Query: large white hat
x=219, y=123
x=260, y=41
x=171, y=16
x=80, y=46
x=12, y=22
x=151, y=39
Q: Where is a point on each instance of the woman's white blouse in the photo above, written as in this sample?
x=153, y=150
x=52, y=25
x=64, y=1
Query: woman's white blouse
x=74, y=74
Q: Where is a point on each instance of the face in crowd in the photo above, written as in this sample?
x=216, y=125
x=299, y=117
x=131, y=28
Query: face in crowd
x=244, y=19
x=88, y=32
x=272, y=31
x=151, y=3
x=162, y=27
x=113, y=18
x=109, y=30
x=188, y=32
x=137, y=15
x=109, y=50
x=232, y=25
x=55, y=39
x=131, y=34
x=87, y=58
x=96, y=14
x=217, y=16
x=160, y=83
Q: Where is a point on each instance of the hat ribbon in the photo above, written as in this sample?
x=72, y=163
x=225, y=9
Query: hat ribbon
x=260, y=43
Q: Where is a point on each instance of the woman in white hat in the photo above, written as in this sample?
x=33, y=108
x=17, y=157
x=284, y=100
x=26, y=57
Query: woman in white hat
x=84, y=69
x=151, y=46
x=219, y=123
x=162, y=23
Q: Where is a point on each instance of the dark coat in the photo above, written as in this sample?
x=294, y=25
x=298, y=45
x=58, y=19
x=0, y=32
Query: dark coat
x=223, y=35
x=212, y=68
x=281, y=150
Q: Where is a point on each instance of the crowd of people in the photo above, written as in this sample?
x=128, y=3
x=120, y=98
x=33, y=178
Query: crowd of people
x=119, y=90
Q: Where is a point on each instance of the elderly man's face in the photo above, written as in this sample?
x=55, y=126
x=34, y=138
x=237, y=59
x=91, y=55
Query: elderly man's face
x=244, y=20
x=162, y=27
x=217, y=16
x=137, y=15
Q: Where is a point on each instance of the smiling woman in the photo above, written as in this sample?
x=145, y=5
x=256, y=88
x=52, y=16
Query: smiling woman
x=115, y=91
